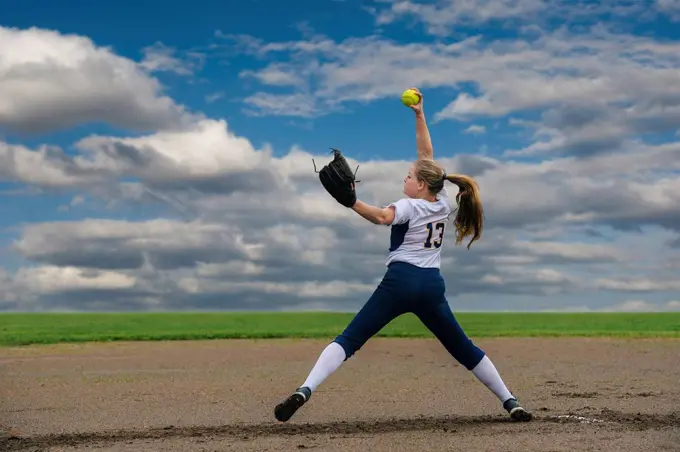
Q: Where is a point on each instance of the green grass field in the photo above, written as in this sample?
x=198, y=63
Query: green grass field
x=23, y=329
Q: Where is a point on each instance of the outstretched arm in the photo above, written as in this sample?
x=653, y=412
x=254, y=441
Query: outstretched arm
x=375, y=215
x=423, y=141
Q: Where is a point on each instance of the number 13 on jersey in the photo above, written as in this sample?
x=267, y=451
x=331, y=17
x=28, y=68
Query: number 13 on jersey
x=431, y=228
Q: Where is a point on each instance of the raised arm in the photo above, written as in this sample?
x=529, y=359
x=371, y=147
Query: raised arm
x=423, y=141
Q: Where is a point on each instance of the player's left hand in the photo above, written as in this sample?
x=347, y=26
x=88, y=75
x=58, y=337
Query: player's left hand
x=338, y=180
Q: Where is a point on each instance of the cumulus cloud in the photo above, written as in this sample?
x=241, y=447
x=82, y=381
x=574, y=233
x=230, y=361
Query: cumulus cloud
x=51, y=279
x=51, y=81
x=209, y=160
x=475, y=129
x=596, y=87
x=204, y=156
x=115, y=244
x=671, y=8
x=47, y=166
x=160, y=58
x=285, y=238
x=230, y=225
x=447, y=17
x=639, y=285
x=174, y=261
x=443, y=15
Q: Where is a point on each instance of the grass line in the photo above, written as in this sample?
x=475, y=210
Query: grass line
x=49, y=328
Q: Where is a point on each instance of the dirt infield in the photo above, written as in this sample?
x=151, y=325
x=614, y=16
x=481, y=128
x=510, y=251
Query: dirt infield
x=395, y=394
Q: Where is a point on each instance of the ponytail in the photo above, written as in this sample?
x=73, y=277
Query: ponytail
x=470, y=217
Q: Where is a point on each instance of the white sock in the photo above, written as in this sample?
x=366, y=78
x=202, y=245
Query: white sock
x=329, y=361
x=486, y=372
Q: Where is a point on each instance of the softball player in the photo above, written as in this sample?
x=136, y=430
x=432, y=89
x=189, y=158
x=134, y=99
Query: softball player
x=412, y=282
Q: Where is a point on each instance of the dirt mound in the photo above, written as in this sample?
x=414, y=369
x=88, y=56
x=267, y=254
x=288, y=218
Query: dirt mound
x=613, y=420
x=395, y=395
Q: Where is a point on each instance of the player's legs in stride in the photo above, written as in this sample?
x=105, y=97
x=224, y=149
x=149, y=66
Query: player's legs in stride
x=436, y=315
x=385, y=304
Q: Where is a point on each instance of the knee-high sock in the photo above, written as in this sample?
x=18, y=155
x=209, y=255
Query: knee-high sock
x=486, y=372
x=329, y=361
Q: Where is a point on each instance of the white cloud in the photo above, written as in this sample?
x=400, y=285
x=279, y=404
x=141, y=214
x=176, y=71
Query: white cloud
x=204, y=150
x=207, y=159
x=264, y=230
x=596, y=88
x=51, y=279
x=47, y=166
x=442, y=16
x=235, y=226
x=299, y=105
x=214, y=97
x=638, y=285
x=275, y=75
x=119, y=244
x=50, y=81
x=669, y=7
x=255, y=220
x=161, y=58
x=475, y=129
x=573, y=252
x=447, y=17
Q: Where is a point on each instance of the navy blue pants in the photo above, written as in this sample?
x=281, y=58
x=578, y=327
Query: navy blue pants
x=406, y=288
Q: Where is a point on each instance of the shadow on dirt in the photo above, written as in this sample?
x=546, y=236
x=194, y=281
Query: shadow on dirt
x=244, y=431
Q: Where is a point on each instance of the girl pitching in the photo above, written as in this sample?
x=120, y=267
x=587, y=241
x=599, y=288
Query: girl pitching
x=413, y=282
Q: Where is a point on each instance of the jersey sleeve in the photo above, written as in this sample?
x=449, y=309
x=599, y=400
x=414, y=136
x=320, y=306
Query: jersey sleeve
x=403, y=210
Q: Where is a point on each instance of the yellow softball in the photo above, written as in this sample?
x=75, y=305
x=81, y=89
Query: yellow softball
x=409, y=97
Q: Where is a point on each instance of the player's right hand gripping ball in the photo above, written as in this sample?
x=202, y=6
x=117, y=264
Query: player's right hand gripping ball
x=338, y=180
x=410, y=97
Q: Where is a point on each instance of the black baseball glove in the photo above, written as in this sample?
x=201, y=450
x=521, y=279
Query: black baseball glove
x=338, y=180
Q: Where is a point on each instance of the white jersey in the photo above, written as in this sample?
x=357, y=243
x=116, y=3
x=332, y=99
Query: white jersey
x=418, y=230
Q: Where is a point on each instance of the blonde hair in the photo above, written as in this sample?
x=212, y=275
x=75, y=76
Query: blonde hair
x=470, y=217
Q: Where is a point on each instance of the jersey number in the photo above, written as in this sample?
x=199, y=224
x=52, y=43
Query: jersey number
x=431, y=228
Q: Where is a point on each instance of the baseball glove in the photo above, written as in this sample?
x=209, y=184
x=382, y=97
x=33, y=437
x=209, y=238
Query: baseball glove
x=338, y=180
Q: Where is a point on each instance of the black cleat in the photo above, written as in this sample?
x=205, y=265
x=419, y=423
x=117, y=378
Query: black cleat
x=517, y=412
x=288, y=407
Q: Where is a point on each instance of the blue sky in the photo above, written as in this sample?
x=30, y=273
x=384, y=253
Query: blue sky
x=159, y=157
